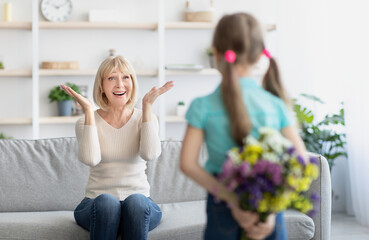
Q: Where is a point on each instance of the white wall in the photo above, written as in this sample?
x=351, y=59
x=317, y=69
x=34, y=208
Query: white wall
x=301, y=44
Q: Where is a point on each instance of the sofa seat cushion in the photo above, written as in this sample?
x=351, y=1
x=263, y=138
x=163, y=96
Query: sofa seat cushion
x=40, y=225
x=299, y=225
x=184, y=220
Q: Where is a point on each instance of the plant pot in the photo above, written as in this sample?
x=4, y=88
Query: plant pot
x=65, y=108
x=212, y=62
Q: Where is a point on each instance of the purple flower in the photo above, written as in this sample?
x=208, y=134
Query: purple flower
x=290, y=150
x=315, y=197
x=314, y=160
x=301, y=160
x=244, y=169
x=272, y=170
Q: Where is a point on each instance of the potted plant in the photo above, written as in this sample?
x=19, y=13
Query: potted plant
x=2, y=136
x=210, y=54
x=181, y=109
x=322, y=137
x=65, y=102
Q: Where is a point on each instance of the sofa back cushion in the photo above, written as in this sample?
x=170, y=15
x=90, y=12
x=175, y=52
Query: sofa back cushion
x=41, y=175
x=45, y=175
x=168, y=184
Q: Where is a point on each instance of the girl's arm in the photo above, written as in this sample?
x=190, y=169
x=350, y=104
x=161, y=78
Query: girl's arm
x=190, y=166
x=292, y=134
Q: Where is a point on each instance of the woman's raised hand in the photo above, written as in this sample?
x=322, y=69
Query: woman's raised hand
x=84, y=102
x=155, y=92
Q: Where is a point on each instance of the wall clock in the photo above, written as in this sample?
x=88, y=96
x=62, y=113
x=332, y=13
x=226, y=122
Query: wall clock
x=56, y=10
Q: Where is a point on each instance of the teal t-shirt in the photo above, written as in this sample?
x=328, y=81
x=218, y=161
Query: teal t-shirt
x=208, y=113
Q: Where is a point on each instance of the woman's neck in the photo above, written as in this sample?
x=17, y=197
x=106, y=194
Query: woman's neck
x=117, y=117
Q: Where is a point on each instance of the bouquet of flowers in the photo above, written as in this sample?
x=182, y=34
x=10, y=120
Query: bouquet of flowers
x=269, y=176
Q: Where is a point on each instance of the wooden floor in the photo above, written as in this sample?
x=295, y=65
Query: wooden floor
x=346, y=228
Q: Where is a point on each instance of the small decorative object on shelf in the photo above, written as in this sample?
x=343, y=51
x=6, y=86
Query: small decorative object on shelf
x=2, y=136
x=187, y=67
x=77, y=108
x=181, y=109
x=60, y=65
x=210, y=54
x=112, y=52
x=199, y=16
x=56, y=10
x=8, y=12
x=65, y=102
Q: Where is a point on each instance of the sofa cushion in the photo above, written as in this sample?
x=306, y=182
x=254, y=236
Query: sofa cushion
x=184, y=220
x=299, y=225
x=168, y=183
x=41, y=175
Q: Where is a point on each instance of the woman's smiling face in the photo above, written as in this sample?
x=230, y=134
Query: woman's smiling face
x=117, y=87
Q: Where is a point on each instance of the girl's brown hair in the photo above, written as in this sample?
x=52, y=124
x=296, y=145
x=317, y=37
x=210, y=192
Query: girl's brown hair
x=242, y=34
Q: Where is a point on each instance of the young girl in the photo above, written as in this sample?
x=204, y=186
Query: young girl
x=238, y=107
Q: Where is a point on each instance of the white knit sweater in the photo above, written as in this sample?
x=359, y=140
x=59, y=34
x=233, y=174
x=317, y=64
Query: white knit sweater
x=117, y=156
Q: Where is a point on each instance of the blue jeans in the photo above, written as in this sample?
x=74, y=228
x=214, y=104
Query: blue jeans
x=105, y=216
x=221, y=224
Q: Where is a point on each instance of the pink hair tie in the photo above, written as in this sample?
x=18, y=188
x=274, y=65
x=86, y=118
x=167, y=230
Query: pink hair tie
x=230, y=56
x=267, y=53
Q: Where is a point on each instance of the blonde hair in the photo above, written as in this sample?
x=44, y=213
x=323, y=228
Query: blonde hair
x=106, y=68
x=242, y=34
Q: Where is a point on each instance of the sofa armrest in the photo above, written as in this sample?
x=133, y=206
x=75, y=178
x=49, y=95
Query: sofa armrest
x=322, y=186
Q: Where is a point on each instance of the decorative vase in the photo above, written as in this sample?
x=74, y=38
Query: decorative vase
x=65, y=108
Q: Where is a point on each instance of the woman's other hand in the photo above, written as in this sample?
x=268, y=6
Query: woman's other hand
x=84, y=102
x=154, y=93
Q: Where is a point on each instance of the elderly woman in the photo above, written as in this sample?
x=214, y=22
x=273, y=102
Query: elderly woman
x=116, y=141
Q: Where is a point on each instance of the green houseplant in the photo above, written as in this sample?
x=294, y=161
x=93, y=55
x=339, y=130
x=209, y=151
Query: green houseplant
x=322, y=136
x=65, y=102
x=2, y=136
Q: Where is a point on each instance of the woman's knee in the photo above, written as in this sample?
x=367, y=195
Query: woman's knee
x=108, y=204
x=136, y=204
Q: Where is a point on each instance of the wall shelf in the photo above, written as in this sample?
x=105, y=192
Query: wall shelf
x=205, y=72
x=88, y=72
x=59, y=120
x=15, y=121
x=16, y=25
x=15, y=73
x=206, y=25
x=97, y=25
x=174, y=119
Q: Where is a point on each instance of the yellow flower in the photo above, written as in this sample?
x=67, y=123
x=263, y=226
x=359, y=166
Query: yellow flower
x=304, y=184
x=251, y=153
x=292, y=181
x=263, y=206
x=311, y=170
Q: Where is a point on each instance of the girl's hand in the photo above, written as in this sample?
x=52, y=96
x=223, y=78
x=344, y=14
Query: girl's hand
x=262, y=229
x=245, y=219
x=84, y=102
x=151, y=96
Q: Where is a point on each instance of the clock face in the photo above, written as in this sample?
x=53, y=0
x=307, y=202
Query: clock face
x=56, y=10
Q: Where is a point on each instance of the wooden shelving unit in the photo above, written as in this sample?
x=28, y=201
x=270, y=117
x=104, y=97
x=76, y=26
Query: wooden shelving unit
x=15, y=73
x=97, y=25
x=206, y=25
x=16, y=25
x=160, y=27
x=174, y=119
x=15, y=121
x=59, y=120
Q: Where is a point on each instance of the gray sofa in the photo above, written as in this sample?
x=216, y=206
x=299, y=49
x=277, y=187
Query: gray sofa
x=41, y=182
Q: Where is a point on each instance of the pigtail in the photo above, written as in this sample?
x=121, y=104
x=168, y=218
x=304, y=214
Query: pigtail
x=272, y=82
x=240, y=122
